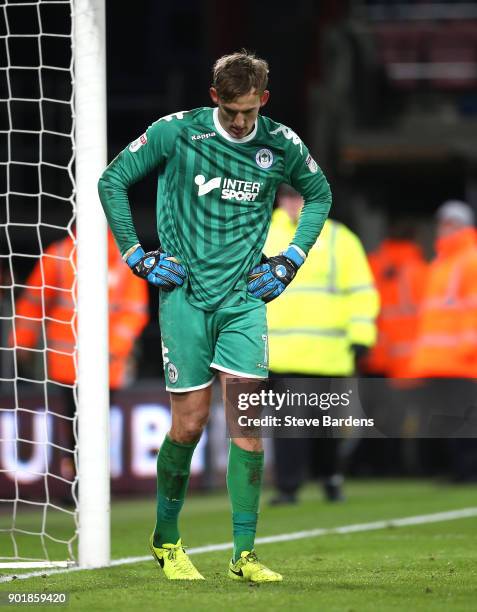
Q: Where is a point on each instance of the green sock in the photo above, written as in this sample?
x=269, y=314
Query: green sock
x=173, y=468
x=244, y=483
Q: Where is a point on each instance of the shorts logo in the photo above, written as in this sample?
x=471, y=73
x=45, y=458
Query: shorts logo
x=312, y=165
x=137, y=144
x=172, y=373
x=264, y=158
x=231, y=189
x=264, y=365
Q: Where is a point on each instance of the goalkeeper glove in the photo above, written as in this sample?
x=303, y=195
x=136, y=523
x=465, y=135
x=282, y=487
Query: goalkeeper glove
x=269, y=279
x=159, y=268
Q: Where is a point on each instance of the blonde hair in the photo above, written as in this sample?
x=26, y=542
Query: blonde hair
x=239, y=73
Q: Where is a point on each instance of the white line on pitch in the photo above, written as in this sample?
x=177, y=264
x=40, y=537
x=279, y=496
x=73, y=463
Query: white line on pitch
x=33, y=564
x=420, y=519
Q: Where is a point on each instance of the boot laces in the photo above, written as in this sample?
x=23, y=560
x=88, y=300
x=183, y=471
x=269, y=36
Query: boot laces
x=182, y=561
x=173, y=550
x=252, y=557
x=262, y=569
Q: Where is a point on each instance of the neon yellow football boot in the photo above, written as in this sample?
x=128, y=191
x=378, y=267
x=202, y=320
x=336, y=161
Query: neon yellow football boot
x=249, y=569
x=174, y=561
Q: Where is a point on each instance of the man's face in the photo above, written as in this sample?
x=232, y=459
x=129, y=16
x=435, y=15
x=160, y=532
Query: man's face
x=238, y=116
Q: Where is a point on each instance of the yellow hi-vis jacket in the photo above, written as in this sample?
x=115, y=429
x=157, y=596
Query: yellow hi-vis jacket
x=330, y=305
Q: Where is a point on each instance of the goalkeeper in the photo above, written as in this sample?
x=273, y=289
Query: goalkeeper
x=218, y=170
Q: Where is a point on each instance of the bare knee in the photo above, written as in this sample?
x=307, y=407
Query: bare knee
x=188, y=429
x=254, y=445
x=190, y=413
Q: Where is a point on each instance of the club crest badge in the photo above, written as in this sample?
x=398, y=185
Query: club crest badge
x=264, y=158
x=172, y=373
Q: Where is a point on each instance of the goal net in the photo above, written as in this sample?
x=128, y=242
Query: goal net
x=39, y=510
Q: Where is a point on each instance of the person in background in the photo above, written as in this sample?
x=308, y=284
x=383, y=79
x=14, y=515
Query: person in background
x=446, y=342
x=399, y=271
x=319, y=328
x=48, y=303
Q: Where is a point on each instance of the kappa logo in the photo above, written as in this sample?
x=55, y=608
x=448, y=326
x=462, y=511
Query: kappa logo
x=231, y=189
x=165, y=352
x=203, y=136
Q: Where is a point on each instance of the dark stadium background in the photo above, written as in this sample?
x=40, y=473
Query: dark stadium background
x=387, y=144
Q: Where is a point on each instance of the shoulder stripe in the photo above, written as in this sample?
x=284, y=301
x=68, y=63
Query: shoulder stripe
x=289, y=134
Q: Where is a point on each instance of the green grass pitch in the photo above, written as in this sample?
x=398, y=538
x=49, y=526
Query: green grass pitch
x=423, y=567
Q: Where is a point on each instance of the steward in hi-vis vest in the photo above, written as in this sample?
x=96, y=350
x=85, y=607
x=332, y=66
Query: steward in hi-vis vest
x=330, y=307
x=446, y=344
x=50, y=300
x=399, y=270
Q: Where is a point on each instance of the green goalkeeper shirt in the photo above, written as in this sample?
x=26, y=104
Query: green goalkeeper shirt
x=215, y=196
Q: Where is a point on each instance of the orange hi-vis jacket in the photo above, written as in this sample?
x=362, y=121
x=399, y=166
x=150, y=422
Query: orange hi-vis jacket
x=49, y=300
x=446, y=344
x=399, y=271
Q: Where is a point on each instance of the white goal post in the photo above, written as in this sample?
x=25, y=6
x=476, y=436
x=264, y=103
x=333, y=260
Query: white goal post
x=93, y=395
x=60, y=46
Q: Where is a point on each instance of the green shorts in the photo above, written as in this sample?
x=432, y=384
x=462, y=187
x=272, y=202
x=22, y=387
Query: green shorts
x=196, y=342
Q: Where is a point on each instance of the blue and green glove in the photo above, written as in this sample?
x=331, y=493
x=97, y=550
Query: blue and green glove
x=160, y=269
x=269, y=279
